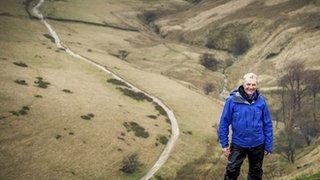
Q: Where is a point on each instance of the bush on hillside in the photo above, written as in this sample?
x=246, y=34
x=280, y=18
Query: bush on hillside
x=208, y=88
x=41, y=83
x=122, y=54
x=139, y=96
x=138, y=130
x=130, y=164
x=67, y=91
x=21, y=64
x=240, y=45
x=194, y=1
x=118, y=82
x=231, y=37
x=209, y=61
x=21, y=82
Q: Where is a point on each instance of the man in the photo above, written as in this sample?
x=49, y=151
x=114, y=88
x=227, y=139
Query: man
x=247, y=112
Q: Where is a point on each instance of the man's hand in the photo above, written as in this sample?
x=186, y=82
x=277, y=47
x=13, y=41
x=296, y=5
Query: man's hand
x=266, y=153
x=226, y=152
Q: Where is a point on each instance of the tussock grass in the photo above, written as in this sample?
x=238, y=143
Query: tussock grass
x=58, y=136
x=139, y=96
x=23, y=111
x=48, y=36
x=162, y=139
x=152, y=116
x=21, y=82
x=88, y=116
x=40, y=83
x=67, y=91
x=160, y=109
x=21, y=64
x=138, y=130
x=38, y=96
x=209, y=61
x=130, y=164
x=118, y=82
x=187, y=132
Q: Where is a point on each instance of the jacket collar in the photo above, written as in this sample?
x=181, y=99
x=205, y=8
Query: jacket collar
x=239, y=96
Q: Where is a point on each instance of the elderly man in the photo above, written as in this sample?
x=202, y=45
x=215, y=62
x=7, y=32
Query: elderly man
x=247, y=112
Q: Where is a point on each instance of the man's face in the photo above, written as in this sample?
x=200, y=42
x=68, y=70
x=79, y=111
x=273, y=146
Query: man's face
x=250, y=88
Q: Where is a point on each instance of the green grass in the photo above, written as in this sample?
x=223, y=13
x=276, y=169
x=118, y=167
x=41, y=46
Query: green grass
x=311, y=177
x=138, y=130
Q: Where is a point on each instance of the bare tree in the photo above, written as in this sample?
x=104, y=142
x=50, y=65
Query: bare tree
x=313, y=80
x=293, y=85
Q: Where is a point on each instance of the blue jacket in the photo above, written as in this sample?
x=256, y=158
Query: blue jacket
x=251, y=122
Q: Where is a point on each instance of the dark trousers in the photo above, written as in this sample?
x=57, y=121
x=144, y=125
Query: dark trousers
x=236, y=158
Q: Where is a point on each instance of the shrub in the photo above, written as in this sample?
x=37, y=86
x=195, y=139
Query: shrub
x=241, y=45
x=138, y=130
x=48, y=36
x=139, y=96
x=163, y=139
x=21, y=64
x=168, y=121
x=160, y=109
x=231, y=37
x=40, y=83
x=130, y=164
x=229, y=62
x=187, y=132
x=209, y=61
x=21, y=82
x=149, y=16
x=152, y=116
x=271, y=55
x=194, y=1
x=208, y=88
x=23, y=111
x=87, y=116
x=15, y=113
x=38, y=96
x=122, y=54
x=58, y=136
x=91, y=115
x=118, y=82
x=67, y=91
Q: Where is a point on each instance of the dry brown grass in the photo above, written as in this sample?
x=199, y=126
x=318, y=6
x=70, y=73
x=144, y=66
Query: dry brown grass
x=87, y=149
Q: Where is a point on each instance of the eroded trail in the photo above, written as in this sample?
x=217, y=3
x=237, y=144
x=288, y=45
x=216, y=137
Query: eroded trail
x=174, y=125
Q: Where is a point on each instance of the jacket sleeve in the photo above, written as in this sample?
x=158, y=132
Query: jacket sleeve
x=267, y=129
x=224, y=124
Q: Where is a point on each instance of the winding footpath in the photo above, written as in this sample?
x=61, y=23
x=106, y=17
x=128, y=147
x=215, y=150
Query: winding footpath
x=174, y=125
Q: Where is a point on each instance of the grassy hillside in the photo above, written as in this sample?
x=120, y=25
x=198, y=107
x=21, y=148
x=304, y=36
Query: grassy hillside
x=61, y=117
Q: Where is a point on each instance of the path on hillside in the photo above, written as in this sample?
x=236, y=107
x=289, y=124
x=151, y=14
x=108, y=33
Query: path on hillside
x=174, y=125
